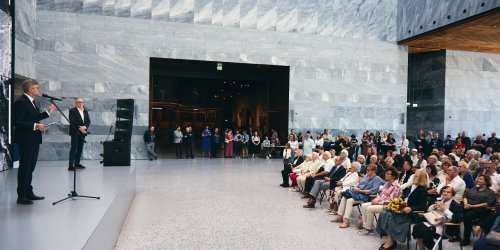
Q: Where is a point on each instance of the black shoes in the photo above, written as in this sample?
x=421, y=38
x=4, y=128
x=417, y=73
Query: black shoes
x=24, y=201
x=79, y=166
x=34, y=197
x=452, y=238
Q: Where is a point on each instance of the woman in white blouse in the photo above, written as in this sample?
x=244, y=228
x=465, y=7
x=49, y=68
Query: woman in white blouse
x=319, y=140
x=350, y=179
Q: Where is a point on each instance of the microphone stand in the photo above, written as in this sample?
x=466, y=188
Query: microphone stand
x=72, y=194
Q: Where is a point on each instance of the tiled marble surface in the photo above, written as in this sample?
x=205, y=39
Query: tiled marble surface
x=369, y=19
x=5, y=74
x=335, y=82
x=472, y=91
x=25, y=35
x=417, y=17
x=230, y=204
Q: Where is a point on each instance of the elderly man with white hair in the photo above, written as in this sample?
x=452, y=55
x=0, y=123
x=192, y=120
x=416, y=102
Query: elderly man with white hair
x=473, y=163
x=344, y=156
x=433, y=160
x=324, y=170
x=313, y=169
x=454, y=180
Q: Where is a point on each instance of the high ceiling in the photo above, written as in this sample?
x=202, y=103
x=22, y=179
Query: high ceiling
x=481, y=34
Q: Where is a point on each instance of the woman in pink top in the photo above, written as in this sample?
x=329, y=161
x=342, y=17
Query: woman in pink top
x=391, y=190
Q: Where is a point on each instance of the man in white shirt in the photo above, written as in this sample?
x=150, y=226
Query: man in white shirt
x=325, y=166
x=455, y=181
x=495, y=177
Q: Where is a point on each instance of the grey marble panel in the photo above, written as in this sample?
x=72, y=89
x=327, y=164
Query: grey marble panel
x=217, y=12
x=325, y=17
x=45, y=4
x=122, y=8
x=307, y=16
x=287, y=15
x=5, y=76
x=248, y=13
x=92, y=6
x=202, y=12
x=267, y=15
x=231, y=13
x=472, y=102
x=68, y=5
x=141, y=9
x=108, y=7
x=182, y=11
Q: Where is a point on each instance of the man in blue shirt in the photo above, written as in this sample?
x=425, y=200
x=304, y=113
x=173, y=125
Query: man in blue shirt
x=358, y=194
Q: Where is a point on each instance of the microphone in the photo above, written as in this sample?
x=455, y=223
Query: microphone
x=51, y=97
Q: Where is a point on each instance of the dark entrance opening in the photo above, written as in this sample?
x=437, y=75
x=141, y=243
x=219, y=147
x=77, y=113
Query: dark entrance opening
x=218, y=94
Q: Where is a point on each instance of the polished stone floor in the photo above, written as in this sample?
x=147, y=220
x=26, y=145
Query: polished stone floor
x=228, y=204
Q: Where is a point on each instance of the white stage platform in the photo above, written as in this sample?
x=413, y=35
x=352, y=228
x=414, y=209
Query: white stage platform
x=73, y=224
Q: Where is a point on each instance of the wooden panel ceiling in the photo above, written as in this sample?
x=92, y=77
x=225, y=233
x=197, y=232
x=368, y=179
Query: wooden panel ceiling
x=481, y=34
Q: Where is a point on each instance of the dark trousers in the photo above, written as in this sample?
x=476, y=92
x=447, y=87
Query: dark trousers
x=469, y=216
x=310, y=183
x=178, y=150
x=287, y=169
x=215, y=149
x=188, y=148
x=28, y=155
x=75, y=152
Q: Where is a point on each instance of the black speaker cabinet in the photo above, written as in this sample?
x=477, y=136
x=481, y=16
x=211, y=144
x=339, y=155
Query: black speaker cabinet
x=124, y=125
x=122, y=135
x=125, y=104
x=125, y=114
x=116, y=153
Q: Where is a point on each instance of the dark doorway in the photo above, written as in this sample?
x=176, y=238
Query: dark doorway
x=217, y=94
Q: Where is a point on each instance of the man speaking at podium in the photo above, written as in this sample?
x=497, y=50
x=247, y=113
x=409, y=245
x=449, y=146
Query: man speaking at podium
x=79, y=123
x=26, y=118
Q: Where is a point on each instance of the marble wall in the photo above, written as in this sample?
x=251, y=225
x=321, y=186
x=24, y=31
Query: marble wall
x=351, y=78
x=5, y=77
x=25, y=35
x=369, y=19
x=417, y=17
x=472, y=101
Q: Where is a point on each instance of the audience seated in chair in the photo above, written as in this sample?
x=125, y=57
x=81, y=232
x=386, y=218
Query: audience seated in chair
x=358, y=194
x=324, y=170
x=298, y=170
x=476, y=202
x=449, y=210
x=349, y=180
x=335, y=174
x=396, y=226
x=389, y=191
x=289, y=165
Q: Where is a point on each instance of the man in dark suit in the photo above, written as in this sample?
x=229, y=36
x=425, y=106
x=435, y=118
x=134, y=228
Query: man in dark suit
x=28, y=130
x=150, y=140
x=336, y=173
x=79, y=123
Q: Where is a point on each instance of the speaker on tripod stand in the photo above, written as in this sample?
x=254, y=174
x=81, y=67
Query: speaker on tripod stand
x=117, y=152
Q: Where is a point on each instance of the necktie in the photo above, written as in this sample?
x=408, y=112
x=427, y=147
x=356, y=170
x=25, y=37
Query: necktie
x=34, y=105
